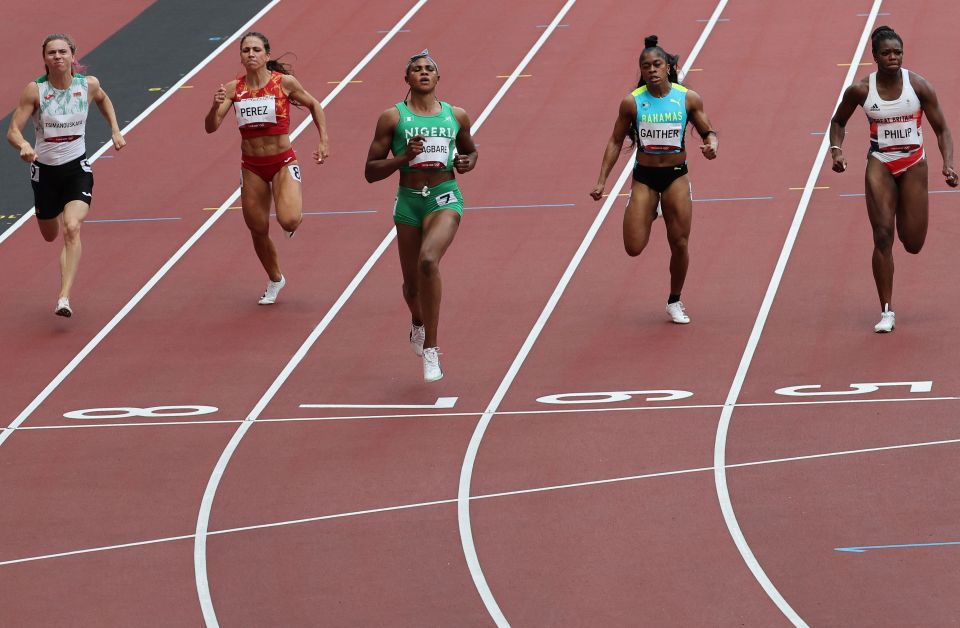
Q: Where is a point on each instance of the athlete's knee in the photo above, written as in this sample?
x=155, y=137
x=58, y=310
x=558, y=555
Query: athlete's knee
x=71, y=231
x=914, y=245
x=634, y=249
x=429, y=265
x=678, y=245
x=290, y=223
x=883, y=238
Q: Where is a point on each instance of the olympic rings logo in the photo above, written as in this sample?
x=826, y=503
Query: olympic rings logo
x=156, y=412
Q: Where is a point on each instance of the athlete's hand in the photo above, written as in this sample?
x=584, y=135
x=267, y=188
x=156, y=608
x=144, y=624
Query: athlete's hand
x=220, y=96
x=465, y=163
x=118, y=141
x=951, y=176
x=414, y=147
x=839, y=162
x=322, y=152
x=709, y=150
x=27, y=153
x=597, y=192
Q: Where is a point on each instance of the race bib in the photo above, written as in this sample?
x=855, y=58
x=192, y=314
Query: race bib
x=256, y=111
x=436, y=153
x=35, y=172
x=446, y=198
x=898, y=135
x=63, y=127
x=660, y=135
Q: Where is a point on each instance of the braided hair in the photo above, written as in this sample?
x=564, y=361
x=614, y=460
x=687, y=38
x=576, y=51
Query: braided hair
x=651, y=46
x=882, y=34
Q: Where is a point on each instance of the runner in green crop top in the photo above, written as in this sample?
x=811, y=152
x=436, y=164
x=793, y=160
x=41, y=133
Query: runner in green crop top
x=430, y=141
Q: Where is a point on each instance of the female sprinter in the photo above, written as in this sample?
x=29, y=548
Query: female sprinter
x=61, y=177
x=655, y=115
x=423, y=132
x=894, y=100
x=269, y=168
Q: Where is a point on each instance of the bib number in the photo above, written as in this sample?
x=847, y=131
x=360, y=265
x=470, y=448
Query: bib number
x=436, y=153
x=257, y=111
x=660, y=136
x=899, y=135
x=294, y=171
x=35, y=173
x=446, y=198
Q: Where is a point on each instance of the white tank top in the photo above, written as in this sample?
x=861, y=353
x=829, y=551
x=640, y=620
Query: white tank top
x=894, y=124
x=61, y=121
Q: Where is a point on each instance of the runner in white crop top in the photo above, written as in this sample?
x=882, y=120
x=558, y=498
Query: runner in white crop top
x=895, y=101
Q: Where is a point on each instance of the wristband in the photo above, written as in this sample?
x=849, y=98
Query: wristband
x=837, y=147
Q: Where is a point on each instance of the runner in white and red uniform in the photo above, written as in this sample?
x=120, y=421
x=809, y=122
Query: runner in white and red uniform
x=60, y=174
x=895, y=101
x=261, y=100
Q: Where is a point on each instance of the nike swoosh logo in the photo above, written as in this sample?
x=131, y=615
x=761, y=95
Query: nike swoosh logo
x=87, y=195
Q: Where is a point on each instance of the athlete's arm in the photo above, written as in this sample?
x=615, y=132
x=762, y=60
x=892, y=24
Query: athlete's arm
x=29, y=101
x=297, y=93
x=702, y=124
x=853, y=97
x=625, y=117
x=466, y=159
x=931, y=107
x=222, y=100
x=99, y=96
x=379, y=163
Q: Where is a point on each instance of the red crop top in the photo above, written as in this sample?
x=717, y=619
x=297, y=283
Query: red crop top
x=265, y=111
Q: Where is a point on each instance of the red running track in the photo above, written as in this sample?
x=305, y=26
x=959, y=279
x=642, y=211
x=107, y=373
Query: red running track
x=633, y=551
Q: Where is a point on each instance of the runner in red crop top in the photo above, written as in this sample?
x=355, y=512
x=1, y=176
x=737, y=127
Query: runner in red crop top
x=261, y=100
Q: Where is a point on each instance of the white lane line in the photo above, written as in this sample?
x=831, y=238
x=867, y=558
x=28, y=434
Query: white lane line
x=720, y=445
x=203, y=518
x=159, y=101
x=476, y=413
x=440, y=502
x=466, y=470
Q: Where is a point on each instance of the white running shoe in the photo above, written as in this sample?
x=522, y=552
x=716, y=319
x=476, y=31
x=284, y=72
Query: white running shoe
x=63, y=308
x=289, y=234
x=417, y=335
x=677, y=313
x=273, y=289
x=888, y=320
x=431, y=364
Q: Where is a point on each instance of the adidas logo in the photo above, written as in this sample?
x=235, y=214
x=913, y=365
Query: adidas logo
x=875, y=107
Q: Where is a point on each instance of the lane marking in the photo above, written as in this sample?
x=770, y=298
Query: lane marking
x=203, y=517
x=347, y=82
x=510, y=75
x=159, y=101
x=131, y=219
x=847, y=65
x=723, y=426
x=864, y=548
x=441, y=502
x=469, y=460
x=478, y=413
x=815, y=187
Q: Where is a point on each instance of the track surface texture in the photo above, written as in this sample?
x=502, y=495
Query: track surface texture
x=176, y=455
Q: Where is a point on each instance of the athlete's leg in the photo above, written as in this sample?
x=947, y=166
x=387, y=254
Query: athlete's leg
x=255, y=200
x=49, y=228
x=408, y=245
x=72, y=217
x=439, y=228
x=881, y=192
x=678, y=216
x=912, y=207
x=637, y=218
x=288, y=197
